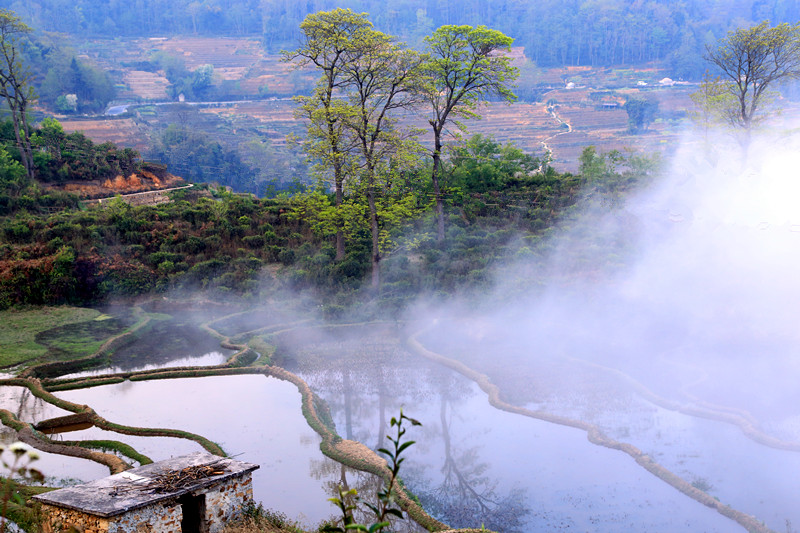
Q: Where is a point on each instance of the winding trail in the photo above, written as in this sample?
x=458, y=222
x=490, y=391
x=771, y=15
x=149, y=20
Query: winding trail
x=545, y=146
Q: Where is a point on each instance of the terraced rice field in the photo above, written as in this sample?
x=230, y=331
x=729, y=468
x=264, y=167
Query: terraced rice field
x=527, y=125
x=122, y=132
x=146, y=85
x=218, y=51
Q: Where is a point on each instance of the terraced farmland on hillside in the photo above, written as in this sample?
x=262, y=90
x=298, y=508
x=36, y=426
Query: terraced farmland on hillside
x=584, y=99
x=123, y=132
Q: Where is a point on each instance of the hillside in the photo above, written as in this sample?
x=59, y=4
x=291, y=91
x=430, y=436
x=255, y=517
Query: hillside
x=253, y=90
x=149, y=177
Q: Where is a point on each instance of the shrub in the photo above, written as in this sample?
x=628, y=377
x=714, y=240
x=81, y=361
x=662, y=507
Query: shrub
x=351, y=268
x=320, y=259
x=207, y=270
x=272, y=252
x=192, y=245
x=287, y=256
x=270, y=236
x=254, y=242
x=18, y=232
x=212, y=242
x=157, y=258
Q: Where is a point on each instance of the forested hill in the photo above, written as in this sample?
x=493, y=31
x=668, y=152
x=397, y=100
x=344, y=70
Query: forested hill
x=553, y=32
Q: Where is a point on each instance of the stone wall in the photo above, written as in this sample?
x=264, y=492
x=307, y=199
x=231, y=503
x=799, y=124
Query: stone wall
x=136, y=199
x=60, y=519
x=224, y=502
x=161, y=517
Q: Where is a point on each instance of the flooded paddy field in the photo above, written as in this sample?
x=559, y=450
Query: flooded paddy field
x=472, y=462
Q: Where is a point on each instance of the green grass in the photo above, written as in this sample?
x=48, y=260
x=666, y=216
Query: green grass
x=114, y=445
x=262, y=346
x=19, y=328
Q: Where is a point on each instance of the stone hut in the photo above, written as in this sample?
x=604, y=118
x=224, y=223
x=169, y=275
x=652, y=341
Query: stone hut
x=195, y=493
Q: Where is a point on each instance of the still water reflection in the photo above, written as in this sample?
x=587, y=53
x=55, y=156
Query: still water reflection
x=474, y=464
x=254, y=418
x=208, y=359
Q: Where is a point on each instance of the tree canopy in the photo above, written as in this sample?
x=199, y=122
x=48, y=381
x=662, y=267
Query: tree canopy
x=329, y=38
x=466, y=65
x=641, y=112
x=751, y=61
x=353, y=139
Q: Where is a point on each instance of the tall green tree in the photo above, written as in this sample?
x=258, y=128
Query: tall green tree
x=15, y=83
x=329, y=40
x=382, y=78
x=481, y=164
x=466, y=66
x=751, y=61
x=713, y=105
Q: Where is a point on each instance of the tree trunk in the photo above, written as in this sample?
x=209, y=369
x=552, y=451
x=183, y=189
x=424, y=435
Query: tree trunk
x=348, y=405
x=437, y=192
x=381, y=415
x=26, y=142
x=20, y=133
x=340, y=251
x=373, y=223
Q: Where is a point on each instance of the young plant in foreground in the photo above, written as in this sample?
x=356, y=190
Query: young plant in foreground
x=21, y=457
x=386, y=506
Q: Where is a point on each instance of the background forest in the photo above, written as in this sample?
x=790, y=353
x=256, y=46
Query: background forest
x=563, y=32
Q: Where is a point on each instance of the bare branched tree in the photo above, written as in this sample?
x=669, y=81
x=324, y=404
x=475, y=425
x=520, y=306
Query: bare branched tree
x=15, y=83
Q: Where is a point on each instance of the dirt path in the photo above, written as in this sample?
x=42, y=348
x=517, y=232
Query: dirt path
x=547, y=149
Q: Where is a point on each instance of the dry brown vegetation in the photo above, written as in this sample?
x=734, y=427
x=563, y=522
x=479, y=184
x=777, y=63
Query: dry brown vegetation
x=146, y=85
x=251, y=526
x=122, y=132
x=142, y=181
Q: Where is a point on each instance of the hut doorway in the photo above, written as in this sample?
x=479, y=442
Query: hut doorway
x=194, y=513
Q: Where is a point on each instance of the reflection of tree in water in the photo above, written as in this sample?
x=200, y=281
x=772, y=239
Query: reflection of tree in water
x=24, y=405
x=164, y=342
x=361, y=376
x=364, y=379
x=465, y=495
